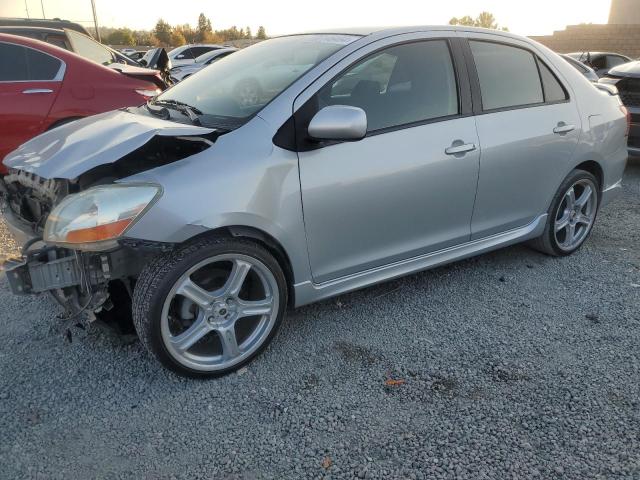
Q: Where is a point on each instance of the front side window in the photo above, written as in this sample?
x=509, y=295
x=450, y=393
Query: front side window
x=508, y=75
x=400, y=85
x=88, y=48
x=227, y=94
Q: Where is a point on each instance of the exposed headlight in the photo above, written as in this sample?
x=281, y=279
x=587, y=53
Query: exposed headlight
x=96, y=218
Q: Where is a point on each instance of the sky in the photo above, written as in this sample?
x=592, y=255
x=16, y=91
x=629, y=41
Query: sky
x=289, y=16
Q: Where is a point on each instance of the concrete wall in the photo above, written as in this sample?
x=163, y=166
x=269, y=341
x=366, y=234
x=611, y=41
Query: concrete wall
x=623, y=39
x=625, y=12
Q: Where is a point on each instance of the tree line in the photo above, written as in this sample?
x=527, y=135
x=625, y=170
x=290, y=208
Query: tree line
x=166, y=35
x=484, y=20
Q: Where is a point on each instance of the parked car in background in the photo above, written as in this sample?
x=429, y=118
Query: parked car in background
x=128, y=51
x=187, y=54
x=180, y=73
x=137, y=55
x=452, y=142
x=601, y=62
x=46, y=86
x=585, y=70
x=77, y=42
x=626, y=78
x=55, y=23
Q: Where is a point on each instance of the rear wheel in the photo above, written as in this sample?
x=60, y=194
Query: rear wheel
x=210, y=307
x=571, y=216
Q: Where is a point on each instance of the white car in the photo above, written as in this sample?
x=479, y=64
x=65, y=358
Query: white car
x=187, y=54
x=128, y=51
x=180, y=73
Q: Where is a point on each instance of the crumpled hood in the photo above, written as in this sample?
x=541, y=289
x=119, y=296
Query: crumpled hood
x=74, y=148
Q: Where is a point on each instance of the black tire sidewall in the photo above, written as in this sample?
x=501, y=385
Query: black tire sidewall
x=167, y=269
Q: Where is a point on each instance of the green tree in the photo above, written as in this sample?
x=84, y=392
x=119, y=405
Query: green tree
x=190, y=35
x=204, y=28
x=247, y=33
x=144, y=37
x=262, y=34
x=162, y=32
x=177, y=38
x=484, y=20
x=121, y=36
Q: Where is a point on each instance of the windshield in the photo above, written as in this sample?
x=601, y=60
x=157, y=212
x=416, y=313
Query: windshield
x=88, y=48
x=231, y=92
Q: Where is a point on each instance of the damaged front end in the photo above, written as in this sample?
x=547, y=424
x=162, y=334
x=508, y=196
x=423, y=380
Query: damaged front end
x=70, y=217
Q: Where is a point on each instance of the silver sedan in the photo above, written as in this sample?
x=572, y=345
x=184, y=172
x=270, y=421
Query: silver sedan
x=180, y=73
x=304, y=167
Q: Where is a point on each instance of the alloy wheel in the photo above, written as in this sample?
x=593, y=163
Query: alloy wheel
x=575, y=215
x=219, y=312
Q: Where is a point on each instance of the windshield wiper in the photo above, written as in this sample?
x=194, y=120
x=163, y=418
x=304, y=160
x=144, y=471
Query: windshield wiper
x=187, y=110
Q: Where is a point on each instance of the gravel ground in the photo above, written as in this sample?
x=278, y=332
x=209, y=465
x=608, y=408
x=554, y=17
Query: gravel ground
x=509, y=365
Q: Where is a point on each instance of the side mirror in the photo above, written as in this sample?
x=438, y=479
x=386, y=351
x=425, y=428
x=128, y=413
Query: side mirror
x=338, y=122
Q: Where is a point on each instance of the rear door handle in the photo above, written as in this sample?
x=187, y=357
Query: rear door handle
x=460, y=148
x=37, y=90
x=564, y=128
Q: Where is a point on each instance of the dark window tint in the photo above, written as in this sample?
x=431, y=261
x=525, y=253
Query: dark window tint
x=615, y=60
x=553, y=90
x=598, y=63
x=508, y=75
x=42, y=66
x=14, y=61
x=58, y=41
x=197, y=51
x=186, y=54
x=399, y=85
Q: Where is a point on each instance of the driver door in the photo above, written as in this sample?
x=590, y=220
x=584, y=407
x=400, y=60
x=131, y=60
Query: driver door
x=408, y=187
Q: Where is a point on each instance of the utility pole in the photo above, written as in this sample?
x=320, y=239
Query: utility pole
x=95, y=19
x=26, y=7
x=42, y=5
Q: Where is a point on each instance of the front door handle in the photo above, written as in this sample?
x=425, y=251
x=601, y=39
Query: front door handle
x=458, y=148
x=564, y=128
x=37, y=90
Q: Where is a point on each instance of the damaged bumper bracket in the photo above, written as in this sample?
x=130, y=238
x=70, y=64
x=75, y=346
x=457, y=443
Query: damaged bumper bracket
x=27, y=278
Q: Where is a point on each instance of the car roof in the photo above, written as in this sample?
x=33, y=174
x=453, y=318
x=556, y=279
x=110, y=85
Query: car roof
x=389, y=31
x=54, y=23
x=15, y=28
x=587, y=52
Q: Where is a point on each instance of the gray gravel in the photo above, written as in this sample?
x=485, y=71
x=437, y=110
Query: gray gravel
x=509, y=365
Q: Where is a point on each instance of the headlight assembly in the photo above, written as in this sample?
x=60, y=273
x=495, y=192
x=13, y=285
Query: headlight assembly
x=95, y=218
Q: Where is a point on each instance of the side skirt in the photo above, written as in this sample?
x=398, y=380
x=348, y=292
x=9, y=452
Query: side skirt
x=309, y=292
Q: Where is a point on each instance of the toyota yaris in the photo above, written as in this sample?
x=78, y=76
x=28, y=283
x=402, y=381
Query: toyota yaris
x=304, y=167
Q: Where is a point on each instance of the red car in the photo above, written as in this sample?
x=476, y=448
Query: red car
x=43, y=86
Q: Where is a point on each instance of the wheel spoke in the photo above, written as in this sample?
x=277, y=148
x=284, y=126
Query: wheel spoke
x=236, y=278
x=584, y=197
x=571, y=232
x=570, y=196
x=584, y=219
x=189, y=337
x=196, y=294
x=229, y=342
x=256, y=307
x=563, y=222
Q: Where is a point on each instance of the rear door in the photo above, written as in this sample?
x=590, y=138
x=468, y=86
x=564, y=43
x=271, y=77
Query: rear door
x=28, y=89
x=528, y=125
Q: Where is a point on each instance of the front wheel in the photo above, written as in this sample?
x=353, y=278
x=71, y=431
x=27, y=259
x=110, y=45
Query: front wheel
x=210, y=307
x=571, y=215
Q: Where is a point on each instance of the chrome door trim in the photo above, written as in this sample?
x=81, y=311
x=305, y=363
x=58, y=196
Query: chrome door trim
x=308, y=292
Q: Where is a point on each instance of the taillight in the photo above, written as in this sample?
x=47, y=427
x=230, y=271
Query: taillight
x=627, y=114
x=148, y=94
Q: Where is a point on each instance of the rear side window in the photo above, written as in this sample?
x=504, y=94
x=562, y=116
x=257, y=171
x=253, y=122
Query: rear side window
x=553, y=90
x=16, y=57
x=26, y=64
x=399, y=85
x=508, y=75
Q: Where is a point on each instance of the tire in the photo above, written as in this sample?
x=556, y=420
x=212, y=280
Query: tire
x=557, y=243
x=199, y=309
